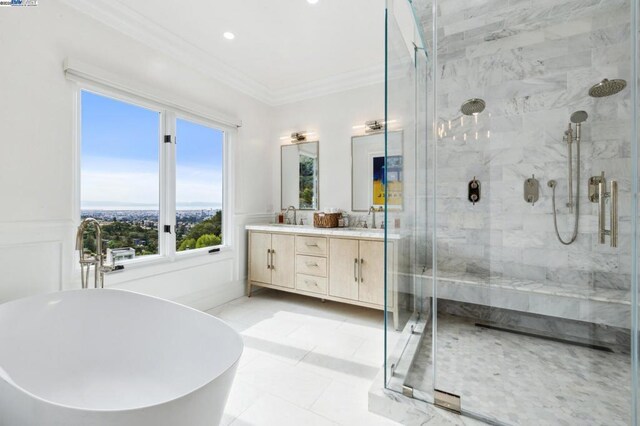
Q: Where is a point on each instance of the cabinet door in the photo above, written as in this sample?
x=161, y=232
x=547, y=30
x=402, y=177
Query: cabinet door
x=343, y=268
x=371, y=272
x=259, y=264
x=283, y=266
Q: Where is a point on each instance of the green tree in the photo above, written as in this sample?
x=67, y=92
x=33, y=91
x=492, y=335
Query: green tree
x=208, y=240
x=187, y=244
x=212, y=225
x=209, y=226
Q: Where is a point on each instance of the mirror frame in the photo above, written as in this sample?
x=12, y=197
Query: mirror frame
x=401, y=132
x=282, y=206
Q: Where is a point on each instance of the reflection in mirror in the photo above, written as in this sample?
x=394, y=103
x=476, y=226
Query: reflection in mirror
x=368, y=185
x=300, y=176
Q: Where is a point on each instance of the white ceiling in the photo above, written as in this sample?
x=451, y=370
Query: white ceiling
x=284, y=50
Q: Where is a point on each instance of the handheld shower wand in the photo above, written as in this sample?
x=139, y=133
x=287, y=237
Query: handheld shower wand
x=577, y=118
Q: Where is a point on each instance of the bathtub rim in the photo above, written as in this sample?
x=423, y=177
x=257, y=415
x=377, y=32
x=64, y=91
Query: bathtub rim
x=233, y=366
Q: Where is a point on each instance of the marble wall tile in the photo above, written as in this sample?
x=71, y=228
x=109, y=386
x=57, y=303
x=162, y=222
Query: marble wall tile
x=533, y=63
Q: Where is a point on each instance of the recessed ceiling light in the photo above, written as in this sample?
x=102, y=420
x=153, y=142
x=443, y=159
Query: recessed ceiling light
x=229, y=36
x=312, y=1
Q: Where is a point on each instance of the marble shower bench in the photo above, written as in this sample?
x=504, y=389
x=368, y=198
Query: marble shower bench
x=609, y=307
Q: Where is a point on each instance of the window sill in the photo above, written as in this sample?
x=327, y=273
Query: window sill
x=157, y=264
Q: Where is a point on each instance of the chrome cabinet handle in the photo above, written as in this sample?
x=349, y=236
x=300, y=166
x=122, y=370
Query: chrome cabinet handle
x=268, y=261
x=312, y=264
x=360, y=272
x=311, y=282
x=614, y=214
x=355, y=270
x=273, y=266
x=312, y=245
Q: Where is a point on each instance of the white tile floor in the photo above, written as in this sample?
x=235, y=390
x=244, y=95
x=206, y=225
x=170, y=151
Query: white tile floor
x=305, y=362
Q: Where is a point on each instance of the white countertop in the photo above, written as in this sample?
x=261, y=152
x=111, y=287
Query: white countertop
x=393, y=234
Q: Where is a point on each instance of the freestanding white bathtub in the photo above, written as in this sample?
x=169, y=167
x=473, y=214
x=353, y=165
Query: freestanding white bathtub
x=112, y=357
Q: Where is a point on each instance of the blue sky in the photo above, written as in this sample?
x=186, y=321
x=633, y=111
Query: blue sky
x=120, y=158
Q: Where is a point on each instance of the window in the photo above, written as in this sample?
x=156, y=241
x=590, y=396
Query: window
x=120, y=173
x=151, y=195
x=199, y=158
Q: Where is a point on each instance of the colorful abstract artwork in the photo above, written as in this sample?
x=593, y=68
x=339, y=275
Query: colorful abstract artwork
x=392, y=186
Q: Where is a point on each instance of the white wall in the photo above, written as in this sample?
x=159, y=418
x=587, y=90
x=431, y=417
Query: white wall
x=332, y=117
x=37, y=222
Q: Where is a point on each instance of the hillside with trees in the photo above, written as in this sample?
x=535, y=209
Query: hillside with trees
x=206, y=233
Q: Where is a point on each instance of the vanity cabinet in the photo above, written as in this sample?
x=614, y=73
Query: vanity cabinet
x=271, y=259
x=345, y=267
x=371, y=288
x=356, y=270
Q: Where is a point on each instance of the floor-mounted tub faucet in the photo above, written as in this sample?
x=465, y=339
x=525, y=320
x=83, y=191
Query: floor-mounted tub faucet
x=96, y=261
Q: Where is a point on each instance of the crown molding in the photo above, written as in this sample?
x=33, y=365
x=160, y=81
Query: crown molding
x=127, y=21
x=333, y=84
x=131, y=23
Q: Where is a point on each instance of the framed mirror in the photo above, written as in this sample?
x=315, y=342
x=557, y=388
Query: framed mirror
x=300, y=175
x=368, y=185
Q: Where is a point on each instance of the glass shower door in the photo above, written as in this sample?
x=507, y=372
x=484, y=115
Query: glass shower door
x=533, y=220
x=406, y=211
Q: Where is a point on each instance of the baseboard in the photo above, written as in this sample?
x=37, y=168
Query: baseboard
x=215, y=296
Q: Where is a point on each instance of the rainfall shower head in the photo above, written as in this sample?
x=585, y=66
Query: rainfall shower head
x=579, y=117
x=607, y=88
x=472, y=106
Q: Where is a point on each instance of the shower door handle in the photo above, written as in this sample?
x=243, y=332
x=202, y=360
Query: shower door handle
x=614, y=214
x=612, y=232
x=601, y=212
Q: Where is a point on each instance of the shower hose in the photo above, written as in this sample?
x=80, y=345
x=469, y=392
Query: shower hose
x=552, y=184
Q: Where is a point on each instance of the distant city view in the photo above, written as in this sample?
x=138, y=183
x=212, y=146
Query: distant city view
x=130, y=231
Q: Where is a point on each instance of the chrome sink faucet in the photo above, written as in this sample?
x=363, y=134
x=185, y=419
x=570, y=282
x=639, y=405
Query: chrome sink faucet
x=97, y=261
x=372, y=212
x=286, y=213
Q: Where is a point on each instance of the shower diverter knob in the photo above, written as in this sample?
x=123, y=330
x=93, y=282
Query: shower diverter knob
x=474, y=190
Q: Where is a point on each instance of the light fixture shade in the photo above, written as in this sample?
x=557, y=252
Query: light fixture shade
x=298, y=137
x=373, y=126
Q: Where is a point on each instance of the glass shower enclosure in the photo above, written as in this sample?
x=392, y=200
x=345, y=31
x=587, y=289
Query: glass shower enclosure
x=517, y=230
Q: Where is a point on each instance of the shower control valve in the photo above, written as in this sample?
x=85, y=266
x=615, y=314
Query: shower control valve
x=474, y=190
x=531, y=190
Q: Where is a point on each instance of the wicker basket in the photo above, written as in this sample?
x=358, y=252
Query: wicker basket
x=326, y=220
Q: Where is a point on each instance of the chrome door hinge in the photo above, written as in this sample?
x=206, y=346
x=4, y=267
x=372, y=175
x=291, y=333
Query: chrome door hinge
x=448, y=401
x=407, y=391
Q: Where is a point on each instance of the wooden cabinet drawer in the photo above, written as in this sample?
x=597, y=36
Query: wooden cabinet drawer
x=311, y=265
x=311, y=283
x=315, y=246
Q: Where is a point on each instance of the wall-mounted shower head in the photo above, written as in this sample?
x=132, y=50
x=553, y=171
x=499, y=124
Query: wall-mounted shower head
x=607, y=88
x=472, y=106
x=579, y=117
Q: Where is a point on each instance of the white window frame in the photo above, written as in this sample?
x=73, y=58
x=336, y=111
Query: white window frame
x=167, y=251
x=226, y=229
